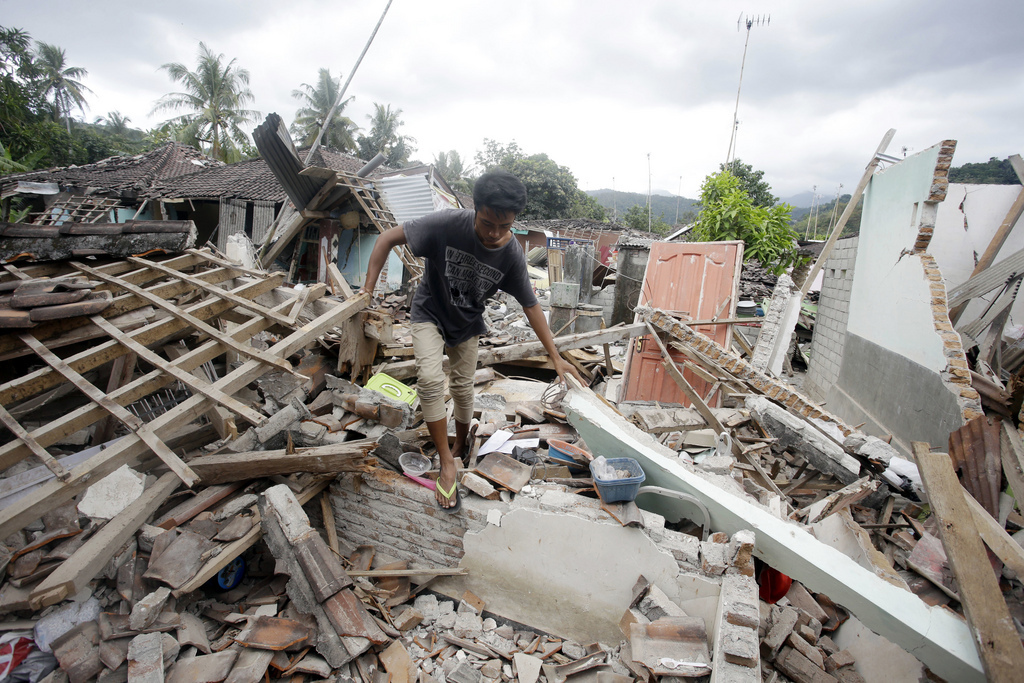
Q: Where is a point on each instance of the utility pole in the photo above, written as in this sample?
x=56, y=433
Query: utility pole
x=678, y=195
x=615, y=213
x=751, y=22
x=648, y=192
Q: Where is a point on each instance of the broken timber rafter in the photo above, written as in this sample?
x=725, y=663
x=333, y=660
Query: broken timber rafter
x=247, y=351
x=226, y=467
x=33, y=445
x=140, y=428
x=995, y=637
x=52, y=493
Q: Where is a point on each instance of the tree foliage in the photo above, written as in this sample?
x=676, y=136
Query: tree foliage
x=61, y=84
x=728, y=213
x=384, y=137
x=551, y=190
x=214, y=98
x=452, y=169
x=638, y=217
x=752, y=182
x=991, y=172
x=817, y=224
x=317, y=101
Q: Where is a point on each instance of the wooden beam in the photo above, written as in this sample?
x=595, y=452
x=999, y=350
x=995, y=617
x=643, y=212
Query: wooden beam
x=709, y=416
x=329, y=525
x=224, y=467
x=995, y=636
x=132, y=422
x=399, y=573
x=1012, y=454
x=189, y=319
x=996, y=538
x=51, y=432
x=52, y=494
x=88, y=561
x=239, y=301
x=339, y=285
x=33, y=445
x=188, y=379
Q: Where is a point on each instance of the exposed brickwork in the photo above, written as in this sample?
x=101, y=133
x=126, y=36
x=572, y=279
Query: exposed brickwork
x=940, y=182
x=740, y=368
x=956, y=374
x=833, y=314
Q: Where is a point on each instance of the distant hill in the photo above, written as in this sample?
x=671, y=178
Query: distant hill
x=802, y=200
x=661, y=205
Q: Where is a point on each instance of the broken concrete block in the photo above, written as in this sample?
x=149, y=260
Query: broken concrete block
x=112, y=494
x=714, y=557
x=740, y=604
x=468, y=625
x=61, y=620
x=148, y=608
x=527, y=667
x=477, y=484
x=783, y=623
x=408, y=619
x=494, y=517
x=799, y=668
x=806, y=649
x=655, y=605
x=685, y=548
x=800, y=598
x=464, y=673
x=78, y=652
x=576, y=651
x=148, y=655
x=801, y=438
x=741, y=551
x=827, y=645
x=428, y=607
x=839, y=660
x=718, y=464
x=739, y=645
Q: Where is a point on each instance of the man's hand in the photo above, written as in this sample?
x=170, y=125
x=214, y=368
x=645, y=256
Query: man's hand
x=563, y=368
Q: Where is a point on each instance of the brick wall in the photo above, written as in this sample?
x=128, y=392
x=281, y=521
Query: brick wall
x=830, y=325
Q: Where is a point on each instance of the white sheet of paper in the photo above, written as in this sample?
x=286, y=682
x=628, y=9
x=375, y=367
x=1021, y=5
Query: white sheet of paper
x=495, y=442
x=523, y=443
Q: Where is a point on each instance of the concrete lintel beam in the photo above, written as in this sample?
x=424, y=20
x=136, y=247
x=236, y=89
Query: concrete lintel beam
x=937, y=637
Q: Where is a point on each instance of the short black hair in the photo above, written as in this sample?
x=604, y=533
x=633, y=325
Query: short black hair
x=499, y=191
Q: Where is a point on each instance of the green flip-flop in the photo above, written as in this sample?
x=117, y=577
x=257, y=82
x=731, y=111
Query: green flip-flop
x=454, y=491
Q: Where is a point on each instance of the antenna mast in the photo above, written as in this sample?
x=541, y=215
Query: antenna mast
x=751, y=22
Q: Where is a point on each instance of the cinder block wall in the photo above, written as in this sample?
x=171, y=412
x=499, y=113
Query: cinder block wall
x=830, y=326
x=605, y=298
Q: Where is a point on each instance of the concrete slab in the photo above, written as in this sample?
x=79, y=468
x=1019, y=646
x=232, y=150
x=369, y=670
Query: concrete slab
x=936, y=637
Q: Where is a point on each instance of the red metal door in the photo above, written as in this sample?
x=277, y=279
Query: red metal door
x=695, y=281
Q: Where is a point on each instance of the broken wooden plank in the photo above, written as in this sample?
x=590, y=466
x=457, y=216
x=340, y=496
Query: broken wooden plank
x=1012, y=455
x=996, y=639
x=329, y=526
x=996, y=538
x=189, y=319
x=73, y=575
x=141, y=429
x=332, y=458
x=51, y=493
x=33, y=445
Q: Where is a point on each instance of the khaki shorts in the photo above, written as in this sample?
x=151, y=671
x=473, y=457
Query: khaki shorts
x=429, y=349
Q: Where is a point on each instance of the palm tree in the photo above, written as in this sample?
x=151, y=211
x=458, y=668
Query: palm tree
x=116, y=123
x=60, y=81
x=215, y=95
x=384, y=137
x=453, y=170
x=316, y=104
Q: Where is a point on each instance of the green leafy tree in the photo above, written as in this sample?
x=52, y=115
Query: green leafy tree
x=728, y=213
x=384, y=137
x=637, y=218
x=759, y=191
x=991, y=172
x=61, y=83
x=214, y=97
x=551, y=189
x=317, y=101
x=453, y=170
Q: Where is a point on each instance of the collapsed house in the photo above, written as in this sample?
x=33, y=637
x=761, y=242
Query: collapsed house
x=207, y=473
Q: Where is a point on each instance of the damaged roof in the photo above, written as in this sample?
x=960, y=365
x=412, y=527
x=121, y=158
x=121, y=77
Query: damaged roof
x=122, y=174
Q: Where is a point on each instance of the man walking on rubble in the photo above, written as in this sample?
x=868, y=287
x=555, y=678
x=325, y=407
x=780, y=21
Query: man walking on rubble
x=470, y=254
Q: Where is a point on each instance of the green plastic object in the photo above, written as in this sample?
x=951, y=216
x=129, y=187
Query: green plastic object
x=389, y=386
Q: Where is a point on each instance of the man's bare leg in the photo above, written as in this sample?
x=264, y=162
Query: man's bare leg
x=461, y=448
x=446, y=478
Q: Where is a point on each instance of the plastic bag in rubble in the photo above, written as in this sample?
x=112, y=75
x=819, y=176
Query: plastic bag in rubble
x=602, y=469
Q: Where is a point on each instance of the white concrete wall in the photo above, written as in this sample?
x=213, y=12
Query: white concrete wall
x=890, y=302
x=965, y=224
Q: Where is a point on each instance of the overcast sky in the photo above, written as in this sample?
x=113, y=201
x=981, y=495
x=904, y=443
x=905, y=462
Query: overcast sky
x=597, y=85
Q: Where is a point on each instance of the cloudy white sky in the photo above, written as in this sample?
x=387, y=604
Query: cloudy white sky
x=597, y=85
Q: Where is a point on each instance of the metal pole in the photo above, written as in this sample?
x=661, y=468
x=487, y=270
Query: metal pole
x=648, y=192
x=341, y=95
x=736, y=111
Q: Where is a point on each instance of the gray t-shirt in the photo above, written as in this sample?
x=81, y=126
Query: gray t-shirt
x=461, y=273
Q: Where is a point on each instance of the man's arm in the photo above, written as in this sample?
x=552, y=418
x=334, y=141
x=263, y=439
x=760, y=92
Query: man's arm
x=535, y=316
x=388, y=240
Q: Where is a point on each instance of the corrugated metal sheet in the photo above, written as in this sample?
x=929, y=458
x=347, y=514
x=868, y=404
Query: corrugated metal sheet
x=276, y=148
x=408, y=197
